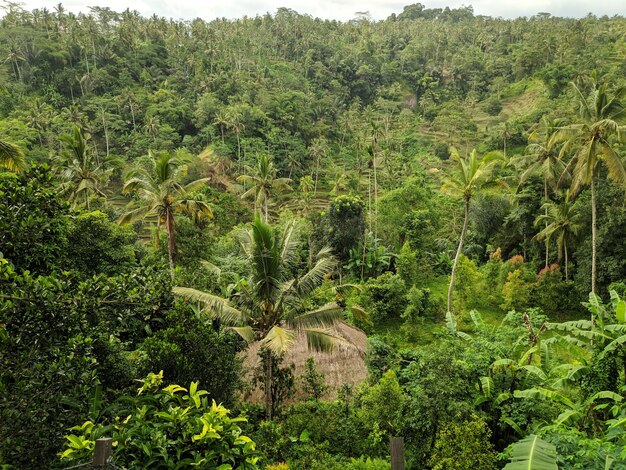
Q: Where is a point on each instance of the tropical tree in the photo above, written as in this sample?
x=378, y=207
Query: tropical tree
x=469, y=176
x=82, y=173
x=263, y=181
x=562, y=222
x=600, y=115
x=161, y=193
x=543, y=159
x=269, y=306
x=11, y=157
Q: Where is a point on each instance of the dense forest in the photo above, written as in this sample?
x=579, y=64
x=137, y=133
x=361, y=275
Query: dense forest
x=278, y=242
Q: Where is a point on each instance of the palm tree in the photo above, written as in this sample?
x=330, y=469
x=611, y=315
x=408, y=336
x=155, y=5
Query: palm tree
x=269, y=306
x=11, y=157
x=543, y=159
x=600, y=115
x=161, y=193
x=562, y=221
x=470, y=176
x=81, y=172
x=263, y=180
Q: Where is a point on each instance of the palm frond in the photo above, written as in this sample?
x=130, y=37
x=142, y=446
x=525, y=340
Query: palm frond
x=323, y=317
x=323, y=341
x=278, y=339
x=215, y=307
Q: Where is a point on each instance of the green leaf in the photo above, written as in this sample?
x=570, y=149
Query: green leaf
x=620, y=311
x=532, y=453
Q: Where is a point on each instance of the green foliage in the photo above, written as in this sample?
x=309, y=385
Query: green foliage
x=34, y=222
x=167, y=428
x=190, y=349
x=380, y=358
x=407, y=266
x=381, y=407
x=419, y=305
x=384, y=297
x=516, y=291
x=532, y=453
x=100, y=246
x=346, y=225
x=313, y=383
x=469, y=281
x=464, y=446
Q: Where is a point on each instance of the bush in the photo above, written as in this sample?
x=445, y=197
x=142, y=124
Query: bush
x=492, y=106
x=313, y=382
x=192, y=351
x=101, y=246
x=467, y=286
x=380, y=358
x=464, y=446
x=385, y=297
x=516, y=292
x=553, y=294
x=419, y=305
x=169, y=428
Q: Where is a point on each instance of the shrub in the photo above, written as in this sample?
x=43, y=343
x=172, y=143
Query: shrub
x=385, y=297
x=313, y=381
x=191, y=350
x=464, y=446
x=407, y=265
x=553, y=294
x=419, y=304
x=101, y=246
x=169, y=428
x=516, y=292
x=380, y=358
x=368, y=464
x=381, y=406
x=467, y=287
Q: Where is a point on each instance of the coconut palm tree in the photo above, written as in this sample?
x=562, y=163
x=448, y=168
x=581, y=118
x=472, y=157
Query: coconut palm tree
x=11, y=157
x=82, y=173
x=562, y=222
x=542, y=159
x=263, y=181
x=470, y=176
x=161, y=193
x=269, y=306
x=600, y=116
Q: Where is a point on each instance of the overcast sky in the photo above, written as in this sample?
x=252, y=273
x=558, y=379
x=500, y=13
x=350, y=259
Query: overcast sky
x=338, y=9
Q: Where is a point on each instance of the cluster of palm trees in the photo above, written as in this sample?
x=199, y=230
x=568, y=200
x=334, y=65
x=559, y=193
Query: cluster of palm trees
x=568, y=157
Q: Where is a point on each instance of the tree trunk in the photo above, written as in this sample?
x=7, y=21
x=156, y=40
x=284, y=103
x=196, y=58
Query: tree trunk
x=458, y=254
x=565, y=250
x=593, y=232
x=171, y=242
x=545, y=196
x=269, y=405
x=106, y=132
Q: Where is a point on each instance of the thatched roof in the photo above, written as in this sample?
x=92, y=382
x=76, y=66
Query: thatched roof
x=345, y=364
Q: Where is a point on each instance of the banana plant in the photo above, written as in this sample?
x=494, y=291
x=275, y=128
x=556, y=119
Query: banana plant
x=532, y=453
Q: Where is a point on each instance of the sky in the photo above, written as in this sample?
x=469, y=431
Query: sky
x=337, y=9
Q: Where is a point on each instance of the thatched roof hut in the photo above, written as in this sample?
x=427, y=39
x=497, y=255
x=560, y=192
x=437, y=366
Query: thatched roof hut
x=345, y=364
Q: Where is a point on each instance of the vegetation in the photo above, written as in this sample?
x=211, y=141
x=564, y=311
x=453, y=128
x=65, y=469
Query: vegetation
x=436, y=198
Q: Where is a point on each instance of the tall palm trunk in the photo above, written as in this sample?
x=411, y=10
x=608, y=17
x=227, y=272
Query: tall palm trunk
x=269, y=405
x=593, y=232
x=545, y=196
x=565, y=250
x=458, y=253
x=265, y=209
x=171, y=241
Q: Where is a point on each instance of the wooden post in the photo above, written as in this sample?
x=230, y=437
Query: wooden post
x=397, y=453
x=102, y=453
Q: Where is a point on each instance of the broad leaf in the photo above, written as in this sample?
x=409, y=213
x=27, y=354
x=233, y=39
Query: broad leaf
x=532, y=453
